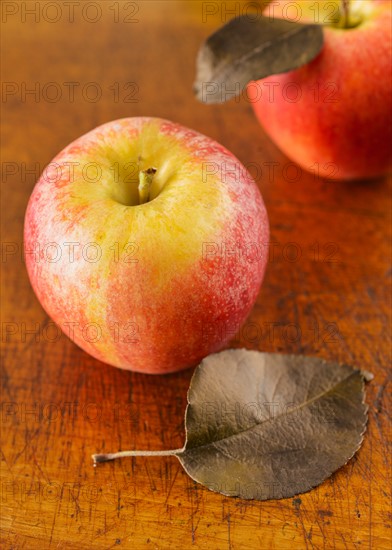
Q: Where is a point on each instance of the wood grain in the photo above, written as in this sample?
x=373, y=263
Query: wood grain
x=326, y=293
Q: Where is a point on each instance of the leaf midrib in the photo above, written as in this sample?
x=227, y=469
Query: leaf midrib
x=221, y=69
x=275, y=418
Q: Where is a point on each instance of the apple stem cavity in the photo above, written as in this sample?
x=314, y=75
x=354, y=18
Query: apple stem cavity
x=97, y=459
x=145, y=181
x=347, y=19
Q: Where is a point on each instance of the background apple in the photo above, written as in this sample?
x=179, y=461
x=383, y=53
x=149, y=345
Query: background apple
x=146, y=242
x=333, y=115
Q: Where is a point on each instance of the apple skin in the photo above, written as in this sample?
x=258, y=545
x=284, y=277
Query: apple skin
x=350, y=138
x=173, y=278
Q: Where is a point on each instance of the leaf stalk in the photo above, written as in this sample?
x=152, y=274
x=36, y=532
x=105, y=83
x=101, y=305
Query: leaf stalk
x=98, y=458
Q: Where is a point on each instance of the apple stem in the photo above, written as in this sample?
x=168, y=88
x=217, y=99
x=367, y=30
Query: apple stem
x=145, y=181
x=124, y=454
x=346, y=12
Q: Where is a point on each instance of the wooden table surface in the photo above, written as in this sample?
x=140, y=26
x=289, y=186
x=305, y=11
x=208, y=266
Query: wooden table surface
x=326, y=293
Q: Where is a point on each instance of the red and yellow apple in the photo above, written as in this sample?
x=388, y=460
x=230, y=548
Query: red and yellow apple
x=333, y=115
x=144, y=241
